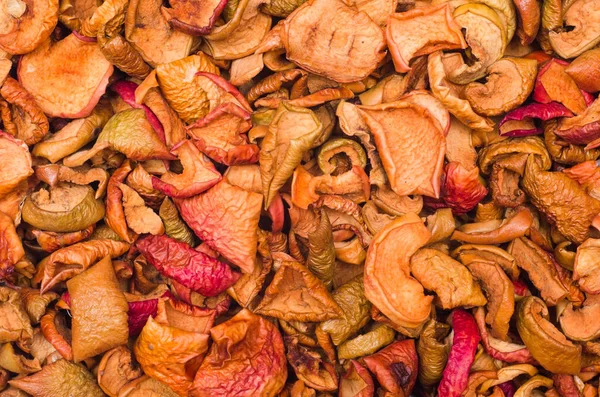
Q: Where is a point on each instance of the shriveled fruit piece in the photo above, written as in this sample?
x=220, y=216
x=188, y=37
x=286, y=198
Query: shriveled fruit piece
x=52, y=241
x=395, y=367
x=193, y=17
x=247, y=358
x=193, y=269
x=583, y=129
x=519, y=122
x=356, y=382
x=583, y=18
x=295, y=294
x=582, y=324
x=99, y=311
x=14, y=322
x=80, y=73
x=226, y=219
x=116, y=369
x=64, y=208
x=529, y=18
x=450, y=280
x=547, y=344
x=509, y=83
x=568, y=206
x=60, y=378
x=174, y=225
x=387, y=280
x=26, y=24
x=356, y=45
x=139, y=217
x=420, y=32
x=399, y=128
x=310, y=367
x=585, y=70
x=433, y=350
x=461, y=189
x=554, y=84
x=150, y=33
x=15, y=161
x=586, y=269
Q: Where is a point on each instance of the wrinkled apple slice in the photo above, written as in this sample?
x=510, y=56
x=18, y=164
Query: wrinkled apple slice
x=398, y=127
x=582, y=129
x=16, y=162
x=420, y=32
x=509, y=83
x=529, y=14
x=519, y=122
x=584, y=18
x=388, y=284
x=80, y=76
x=192, y=16
x=554, y=84
x=333, y=40
x=26, y=24
x=585, y=70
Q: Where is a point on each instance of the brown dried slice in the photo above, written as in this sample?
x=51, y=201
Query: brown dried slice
x=554, y=84
x=146, y=386
x=12, y=247
x=500, y=293
x=561, y=199
x=243, y=70
x=582, y=17
x=587, y=265
x=16, y=162
x=105, y=15
x=584, y=70
x=398, y=128
x=581, y=129
x=99, y=311
x=317, y=34
x=495, y=231
x=226, y=219
x=116, y=369
x=451, y=95
x=582, y=324
x=26, y=24
x=75, y=259
x=17, y=363
x=115, y=215
x=140, y=218
x=388, y=284
x=377, y=10
x=450, y=280
x=498, y=150
x=53, y=174
x=14, y=322
x=563, y=152
x=420, y=32
x=468, y=253
x=245, y=38
x=193, y=17
x=152, y=36
x=310, y=367
x=80, y=73
x=121, y=53
x=509, y=83
x=529, y=18
x=540, y=267
x=60, y=378
x=35, y=303
x=31, y=123
x=295, y=294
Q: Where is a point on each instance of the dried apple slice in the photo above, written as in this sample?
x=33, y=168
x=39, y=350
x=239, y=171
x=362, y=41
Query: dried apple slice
x=394, y=126
x=388, y=284
x=554, y=84
x=529, y=15
x=80, y=76
x=585, y=269
x=583, y=18
x=333, y=40
x=585, y=70
x=509, y=82
x=193, y=17
x=152, y=36
x=582, y=129
x=520, y=122
x=140, y=218
x=582, y=324
x=420, y=32
x=16, y=162
x=486, y=38
x=226, y=219
x=26, y=24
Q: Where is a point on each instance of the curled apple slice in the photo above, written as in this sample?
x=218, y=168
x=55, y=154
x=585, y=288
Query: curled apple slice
x=420, y=32
x=79, y=73
x=388, y=284
x=584, y=18
x=26, y=24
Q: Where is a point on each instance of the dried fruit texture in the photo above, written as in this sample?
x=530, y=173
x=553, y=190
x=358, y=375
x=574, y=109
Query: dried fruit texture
x=81, y=72
x=14, y=324
x=440, y=32
x=145, y=27
x=247, y=358
x=450, y=280
x=192, y=17
x=321, y=253
x=15, y=160
x=584, y=70
x=306, y=37
x=189, y=267
x=399, y=128
x=581, y=324
x=99, y=311
x=27, y=24
x=226, y=219
x=11, y=247
x=461, y=189
x=387, y=280
x=462, y=353
x=368, y=343
x=35, y=304
x=60, y=378
x=529, y=18
x=395, y=367
x=433, y=351
x=546, y=343
x=116, y=369
x=569, y=207
x=295, y=294
x=115, y=215
x=583, y=129
x=522, y=118
x=450, y=95
x=70, y=261
x=585, y=268
x=146, y=386
x=30, y=122
x=563, y=152
x=509, y=83
x=554, y=84
x=356, y=382
x=198, y=175
x=53, y=174
x=140, y=218
x=309, y=366
x=174, y=225
x=291, y=133
x=569, y=43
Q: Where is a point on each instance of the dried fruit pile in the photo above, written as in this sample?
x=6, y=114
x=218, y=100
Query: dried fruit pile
x=354, y=198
